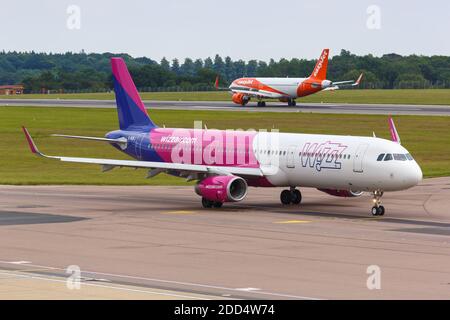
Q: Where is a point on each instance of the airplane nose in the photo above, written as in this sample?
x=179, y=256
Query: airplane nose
x=415, y=174
x=419, y=174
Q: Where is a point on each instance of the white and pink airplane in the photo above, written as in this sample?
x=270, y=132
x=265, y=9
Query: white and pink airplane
x=285, y=89
x=225, y=162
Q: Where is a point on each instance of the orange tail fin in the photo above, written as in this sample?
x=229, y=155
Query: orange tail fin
x=320, y=70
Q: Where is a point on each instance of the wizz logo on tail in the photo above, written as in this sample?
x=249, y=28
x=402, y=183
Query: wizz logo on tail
x=320, y=156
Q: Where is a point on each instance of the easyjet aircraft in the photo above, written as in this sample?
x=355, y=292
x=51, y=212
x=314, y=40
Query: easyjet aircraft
x=285, y=89
x=225, y=163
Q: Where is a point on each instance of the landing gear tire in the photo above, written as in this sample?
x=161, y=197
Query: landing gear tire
x=374, y=211
x=261, y=104
x=378, y=211
x=217, y=204
x=207, y=203
x=296, y=196
x=293, y=196
x=292, y=103
x=285, y=197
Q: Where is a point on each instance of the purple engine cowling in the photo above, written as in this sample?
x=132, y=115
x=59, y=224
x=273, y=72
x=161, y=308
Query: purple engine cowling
x=222, y=188
x=342, y=193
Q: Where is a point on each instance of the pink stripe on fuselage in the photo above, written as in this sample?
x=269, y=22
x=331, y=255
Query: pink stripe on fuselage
x=122, y=75
x=205, y=147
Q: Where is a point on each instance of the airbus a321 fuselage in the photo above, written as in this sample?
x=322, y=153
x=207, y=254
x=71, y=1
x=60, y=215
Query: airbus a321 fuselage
x=286, y=89
x=225, y=163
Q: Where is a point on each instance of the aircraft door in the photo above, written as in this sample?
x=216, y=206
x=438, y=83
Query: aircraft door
x=359, y=157
x=290, y=161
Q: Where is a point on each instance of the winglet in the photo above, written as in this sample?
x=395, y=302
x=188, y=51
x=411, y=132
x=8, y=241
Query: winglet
x=359, y=80
x=216, y=84
x=30, y=141
x=394, y=134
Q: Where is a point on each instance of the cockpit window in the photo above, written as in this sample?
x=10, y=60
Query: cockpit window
x=409, y=157
x=388, y=157
x=380, y=157
x=399, y=157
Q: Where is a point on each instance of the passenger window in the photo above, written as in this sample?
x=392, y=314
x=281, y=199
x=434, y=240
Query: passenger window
x=388, y=157
x=380, y=157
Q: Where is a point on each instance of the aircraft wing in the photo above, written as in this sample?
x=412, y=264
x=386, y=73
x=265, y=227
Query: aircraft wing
x=259, y=93
x=108, y=164
x=250, y=92
x=122, y=142
x=341, y=84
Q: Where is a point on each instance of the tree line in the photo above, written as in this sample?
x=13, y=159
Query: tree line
x=91, y=72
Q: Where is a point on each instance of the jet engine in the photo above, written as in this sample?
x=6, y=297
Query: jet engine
x=240, y=98
x=222, y=188
x=342, y=193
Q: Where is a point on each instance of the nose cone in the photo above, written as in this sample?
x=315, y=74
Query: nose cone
x=414, y=174
x=419, y=174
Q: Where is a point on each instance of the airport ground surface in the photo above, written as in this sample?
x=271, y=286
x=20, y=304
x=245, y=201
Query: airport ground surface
x=394, y=109
x=157, y=242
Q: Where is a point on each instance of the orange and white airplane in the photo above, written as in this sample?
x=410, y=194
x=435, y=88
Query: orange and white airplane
x=285, y=89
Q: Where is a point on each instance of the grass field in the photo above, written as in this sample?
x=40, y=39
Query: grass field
x=426, y=137
x=406, y=96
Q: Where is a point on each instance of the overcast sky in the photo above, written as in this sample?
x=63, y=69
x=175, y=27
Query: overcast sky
x=251, y=29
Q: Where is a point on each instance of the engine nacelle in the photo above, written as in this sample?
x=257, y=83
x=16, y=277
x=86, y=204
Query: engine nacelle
x=342, y=193
x=222, y=188
x=240, y=98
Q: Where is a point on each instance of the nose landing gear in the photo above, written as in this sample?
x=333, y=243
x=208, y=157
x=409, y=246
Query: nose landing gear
x=293, y=196
x=377, y=209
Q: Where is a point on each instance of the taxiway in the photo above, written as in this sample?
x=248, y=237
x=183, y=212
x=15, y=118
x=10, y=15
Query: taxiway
x=158, y=243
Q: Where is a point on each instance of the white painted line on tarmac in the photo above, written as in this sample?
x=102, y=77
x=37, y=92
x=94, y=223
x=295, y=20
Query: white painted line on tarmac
x=26, y=276
x=248, y=289
x=20, y=262
x=281, y=295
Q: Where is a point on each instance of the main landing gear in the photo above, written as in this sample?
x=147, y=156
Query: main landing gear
x=210, y=204
x=292, y=103
x=377, y=209
x=292, y=195
x=261, y=104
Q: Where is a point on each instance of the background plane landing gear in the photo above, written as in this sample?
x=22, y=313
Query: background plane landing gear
x=293, y=196
x=261, y=104
x=377, y=209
